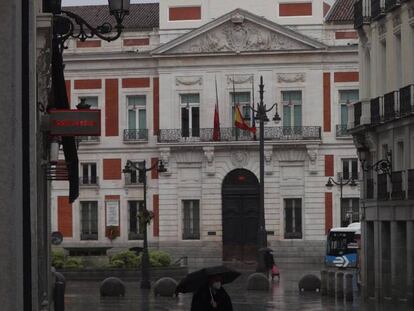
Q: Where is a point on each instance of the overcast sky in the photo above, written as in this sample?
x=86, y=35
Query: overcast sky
x=87, y=2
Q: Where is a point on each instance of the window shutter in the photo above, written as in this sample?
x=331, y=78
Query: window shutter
x=195, y=116
x=344, y=115
x=185, y=126
x=132, y=122
x=94, y=217
x=345, y=173
x=196, y=220
x=355, y=169
x=297, y=117
x=286, y=115
x=142, y=116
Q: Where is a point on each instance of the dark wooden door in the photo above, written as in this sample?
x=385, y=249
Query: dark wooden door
x=240, y=219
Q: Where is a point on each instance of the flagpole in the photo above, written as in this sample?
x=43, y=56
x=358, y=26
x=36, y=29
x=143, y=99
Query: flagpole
x=253, y=120
x=234, y=104
x=216, y=130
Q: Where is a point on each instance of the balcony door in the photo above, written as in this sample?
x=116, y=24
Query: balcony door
x=190, y=115
x=240, y=212
x=292, y=112
x=137, y=116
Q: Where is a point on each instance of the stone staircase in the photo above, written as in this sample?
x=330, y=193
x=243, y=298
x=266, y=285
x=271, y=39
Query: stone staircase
x=298, y=252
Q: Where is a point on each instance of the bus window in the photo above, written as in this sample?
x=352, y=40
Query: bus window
x=340, y=243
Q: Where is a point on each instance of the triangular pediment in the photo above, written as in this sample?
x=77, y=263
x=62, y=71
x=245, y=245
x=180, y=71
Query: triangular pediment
x=237, y=32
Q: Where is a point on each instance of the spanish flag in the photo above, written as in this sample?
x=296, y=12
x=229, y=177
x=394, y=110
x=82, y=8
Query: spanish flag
x=240, y=123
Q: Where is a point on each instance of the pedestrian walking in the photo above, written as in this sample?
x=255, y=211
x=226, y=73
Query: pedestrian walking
x=212, y=296
x=271, y=267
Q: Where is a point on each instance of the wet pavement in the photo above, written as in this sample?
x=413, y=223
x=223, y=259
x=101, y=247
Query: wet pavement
x=284, y=295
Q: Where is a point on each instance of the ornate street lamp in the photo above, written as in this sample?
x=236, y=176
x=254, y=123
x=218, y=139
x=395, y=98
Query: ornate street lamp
x=331, y=182
x=146, y=216
x=261, y=117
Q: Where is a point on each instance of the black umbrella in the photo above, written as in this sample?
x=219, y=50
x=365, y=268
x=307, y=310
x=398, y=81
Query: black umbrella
x=196, y=279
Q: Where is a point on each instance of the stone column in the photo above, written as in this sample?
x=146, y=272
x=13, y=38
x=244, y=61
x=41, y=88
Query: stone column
x=11, y=164
x=410, y=260
x=395, y=260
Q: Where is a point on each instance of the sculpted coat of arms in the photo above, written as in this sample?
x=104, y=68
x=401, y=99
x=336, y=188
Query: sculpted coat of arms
x=241, y=36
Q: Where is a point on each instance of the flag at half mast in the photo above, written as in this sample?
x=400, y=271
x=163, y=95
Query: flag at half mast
x=216, y=130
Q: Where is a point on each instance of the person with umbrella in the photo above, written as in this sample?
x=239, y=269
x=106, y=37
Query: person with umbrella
x=209, y=294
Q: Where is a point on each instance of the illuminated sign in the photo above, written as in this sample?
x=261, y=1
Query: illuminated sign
x=75, y=122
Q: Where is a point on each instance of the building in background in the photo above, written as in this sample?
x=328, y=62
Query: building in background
x=382, y=125
x=156, y=89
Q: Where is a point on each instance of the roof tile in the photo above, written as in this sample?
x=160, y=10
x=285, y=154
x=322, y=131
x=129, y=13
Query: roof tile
x=342, y=11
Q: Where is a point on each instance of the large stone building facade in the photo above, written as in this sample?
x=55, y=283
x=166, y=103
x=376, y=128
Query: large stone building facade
x=157, y=91
x=383, y=128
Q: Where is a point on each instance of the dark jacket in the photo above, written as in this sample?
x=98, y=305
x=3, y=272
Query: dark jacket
x=202, y=300
x=269, y=261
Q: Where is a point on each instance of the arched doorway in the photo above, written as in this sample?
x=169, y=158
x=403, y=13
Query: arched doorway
x=240, y=211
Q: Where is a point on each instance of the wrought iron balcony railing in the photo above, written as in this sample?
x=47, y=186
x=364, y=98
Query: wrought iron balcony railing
x=392, y=4
x=410, y=184
x=341, y=130
x=407, y=100
x=89, y=139
x=390, y=103
x=375, y=110
x=377, y=9
x=234, y=134
x=91, y=181
x=397, y=193
x=135, y=135
x=357, y=113
x=382, y=184
x=362, y=13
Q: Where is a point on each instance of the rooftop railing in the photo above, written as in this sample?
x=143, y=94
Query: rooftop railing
x=362, y=13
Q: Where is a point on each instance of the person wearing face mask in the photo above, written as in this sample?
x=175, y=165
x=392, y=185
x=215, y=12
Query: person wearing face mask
x=211, y=297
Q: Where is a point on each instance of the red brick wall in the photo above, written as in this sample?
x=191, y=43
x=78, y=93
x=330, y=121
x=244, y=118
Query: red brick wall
x=68, y=92
x=329, y=165
x=112, y=169
x=295, y=9
x=326, y=8
x=346, y=35
x=111, y=107
x=350, y=76
x=136, y=42
x=326, y=102
x=154, y=171
x=156, y=106
x=135, y=82
x=88, y=84
x=185, y=13
x=328, y=211
x=64, y=211
x=156, y=211
x=88, y=44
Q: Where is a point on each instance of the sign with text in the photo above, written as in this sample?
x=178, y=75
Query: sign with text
x=112, y=213
x=75, y=122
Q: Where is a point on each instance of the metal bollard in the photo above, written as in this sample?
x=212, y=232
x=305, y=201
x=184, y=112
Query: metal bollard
x=340, y=285
x=324, y=282
x=59, y=296
x=331, y=283
x=349, y=290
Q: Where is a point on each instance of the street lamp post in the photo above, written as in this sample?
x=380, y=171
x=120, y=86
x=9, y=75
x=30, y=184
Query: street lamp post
x=341, y=183
x=262, y=118
x=146, y=216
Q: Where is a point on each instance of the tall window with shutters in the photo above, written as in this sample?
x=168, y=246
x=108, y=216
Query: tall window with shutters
x=89, y=176
x=89, y=220
x=346, y=97
x=350, y=169
x=137, y=117
x=191, y=219
x=292, y=111
x=135, y=231
x=293, y=218
x=190, y=115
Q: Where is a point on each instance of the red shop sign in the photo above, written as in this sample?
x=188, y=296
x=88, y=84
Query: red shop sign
x=75, y=122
